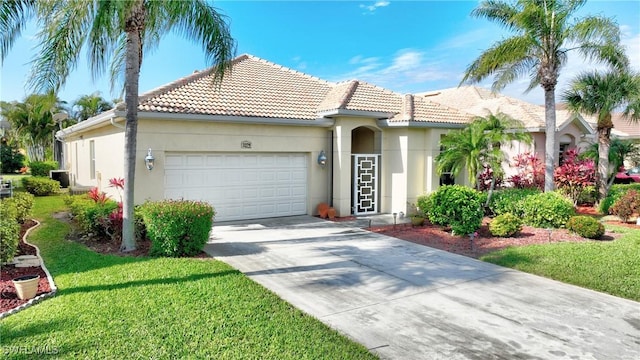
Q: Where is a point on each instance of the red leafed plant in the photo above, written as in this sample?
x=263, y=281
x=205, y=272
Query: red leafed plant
x=97, y=195
x=530, y=172
x=574, y=174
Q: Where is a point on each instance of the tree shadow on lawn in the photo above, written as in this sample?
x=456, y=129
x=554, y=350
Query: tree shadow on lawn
x=135, y=283
x=510, y=258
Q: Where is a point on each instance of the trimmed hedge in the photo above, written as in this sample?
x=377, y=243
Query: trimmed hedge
x=509, y=200
x=457, y=206
x=23, y=203
x=177, y=227
x=505, y=225
x=547, y=210
x=9, y=231
x=42, y=168
x=40, y=186
x=626, y=205
x=586, y=226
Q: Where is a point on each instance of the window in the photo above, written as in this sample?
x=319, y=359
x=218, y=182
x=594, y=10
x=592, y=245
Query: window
x=563, y=149
x=446, y=177
x=92, y=159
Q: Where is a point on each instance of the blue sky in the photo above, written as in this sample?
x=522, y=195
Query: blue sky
x=404, y=46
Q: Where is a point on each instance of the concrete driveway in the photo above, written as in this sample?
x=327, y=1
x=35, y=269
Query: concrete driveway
x=406, y=301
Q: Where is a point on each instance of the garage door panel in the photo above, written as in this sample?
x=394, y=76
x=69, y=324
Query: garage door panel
x=240, y=186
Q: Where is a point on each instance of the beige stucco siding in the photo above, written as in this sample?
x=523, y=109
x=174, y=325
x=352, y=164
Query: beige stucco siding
x=108, y=145
x=169, y=136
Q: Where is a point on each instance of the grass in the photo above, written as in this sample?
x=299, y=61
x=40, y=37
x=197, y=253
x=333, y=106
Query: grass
x=123, y=307
x=612, y=267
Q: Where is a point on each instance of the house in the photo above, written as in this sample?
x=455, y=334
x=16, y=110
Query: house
x=270, y=141
x=572, y=130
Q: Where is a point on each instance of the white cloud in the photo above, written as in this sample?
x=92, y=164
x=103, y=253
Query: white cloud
x=408, y=70
x=370, y=9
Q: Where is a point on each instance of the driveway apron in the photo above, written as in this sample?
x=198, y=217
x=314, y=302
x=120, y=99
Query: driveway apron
x=407, y=301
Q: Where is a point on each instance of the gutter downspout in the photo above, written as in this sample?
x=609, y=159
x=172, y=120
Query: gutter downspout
x=112, y=121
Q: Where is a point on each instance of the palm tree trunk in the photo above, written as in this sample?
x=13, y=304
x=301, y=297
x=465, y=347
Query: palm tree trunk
x=134, y=26
x=604, y=143
x=550, y=130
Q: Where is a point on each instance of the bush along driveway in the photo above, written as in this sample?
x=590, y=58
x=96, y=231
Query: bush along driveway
x=125, y=307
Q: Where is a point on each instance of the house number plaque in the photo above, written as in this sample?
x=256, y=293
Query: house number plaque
x=246, y=144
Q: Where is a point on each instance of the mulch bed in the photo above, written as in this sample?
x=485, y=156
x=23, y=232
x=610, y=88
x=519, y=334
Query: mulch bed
x=8, y=296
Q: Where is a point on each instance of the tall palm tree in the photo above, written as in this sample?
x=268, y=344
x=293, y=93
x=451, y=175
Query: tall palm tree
x=480, y=144
x=119, y=32
x=600, y=94
x=544, y=32
x=90, y=105
x=33, y=122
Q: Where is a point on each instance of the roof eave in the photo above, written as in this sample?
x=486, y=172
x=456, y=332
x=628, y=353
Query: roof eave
x=355, y=113
x=319, y=122
x=91, y=123
x=386, y=123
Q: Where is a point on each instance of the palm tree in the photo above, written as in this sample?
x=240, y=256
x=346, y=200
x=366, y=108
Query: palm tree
x=599, y=95
x=479, y=145
x=544, y=33
x=13, y=18
x=119, y=32
x=33, y=122
x=90, y=105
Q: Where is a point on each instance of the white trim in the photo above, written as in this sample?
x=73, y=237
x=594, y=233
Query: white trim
x=357, y=113
x=386, y=123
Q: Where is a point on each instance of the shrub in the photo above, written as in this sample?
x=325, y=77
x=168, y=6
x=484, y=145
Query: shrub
x=177, y=227
x=457, y=206
x=615, y=192
x=423, y=204
x=23, y=202
x=10, y=158
x=42, y=168
x=547, y=210
x=626, y=205
x=90, y=215
x=40, y=186
x=9, y=231
x=574, y=175
x=530, y=172
x=505, y=225
x=586, y=226
x=509, y=200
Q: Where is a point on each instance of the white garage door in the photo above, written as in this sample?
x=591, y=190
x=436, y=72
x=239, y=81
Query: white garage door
x=240, y=186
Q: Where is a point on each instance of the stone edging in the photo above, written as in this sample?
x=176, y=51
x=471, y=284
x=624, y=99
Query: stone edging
x=52, y=285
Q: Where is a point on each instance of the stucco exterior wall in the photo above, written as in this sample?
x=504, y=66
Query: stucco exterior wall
x=109, y=157
x=164, y=136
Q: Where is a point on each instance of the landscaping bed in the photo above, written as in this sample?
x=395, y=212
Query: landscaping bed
x=8, y=296
x=440, y=238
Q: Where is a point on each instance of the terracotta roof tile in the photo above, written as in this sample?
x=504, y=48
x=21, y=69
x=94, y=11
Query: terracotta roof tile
x=482, y=102
x=258, y=88
x=254, y=88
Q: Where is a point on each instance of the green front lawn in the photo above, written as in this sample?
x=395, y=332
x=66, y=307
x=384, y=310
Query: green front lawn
x=123, y=307
x=609, y=266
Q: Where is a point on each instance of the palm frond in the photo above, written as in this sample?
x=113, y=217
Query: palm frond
x=13, y=18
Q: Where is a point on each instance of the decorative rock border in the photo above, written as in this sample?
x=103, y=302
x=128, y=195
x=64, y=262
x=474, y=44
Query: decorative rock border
x=52, y=285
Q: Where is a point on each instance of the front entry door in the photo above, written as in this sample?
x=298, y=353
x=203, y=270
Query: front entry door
x=365, y=183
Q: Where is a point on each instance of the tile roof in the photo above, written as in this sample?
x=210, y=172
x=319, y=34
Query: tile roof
x=482, y=102
x=622, y=126
x=259, y=88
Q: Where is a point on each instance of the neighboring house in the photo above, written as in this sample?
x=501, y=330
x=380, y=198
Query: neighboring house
x=572, y=130
x=252, y=145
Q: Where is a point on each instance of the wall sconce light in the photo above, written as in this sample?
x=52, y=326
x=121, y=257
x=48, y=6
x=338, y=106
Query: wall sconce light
x=148, y=160
x=322, y=158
